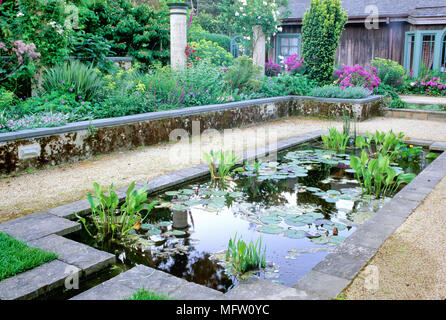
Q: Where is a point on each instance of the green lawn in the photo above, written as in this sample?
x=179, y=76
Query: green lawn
x=143, y=294
x=17, y=257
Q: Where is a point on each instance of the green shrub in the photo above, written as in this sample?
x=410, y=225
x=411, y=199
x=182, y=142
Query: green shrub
x=390, y=72
x=91, y=48
x=140, y=31
x=243, y=74
x=207, y=50
x=74, y=77
x=287, y=84
x=221, y=39
x=386, y=90
x=398, y=104
x=338, y=92
x=203, y=84
x=322, y=27
x=6, y=98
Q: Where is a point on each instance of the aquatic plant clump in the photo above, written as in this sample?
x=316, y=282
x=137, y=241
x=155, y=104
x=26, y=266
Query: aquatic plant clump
x=109, y=220
x=245, y=257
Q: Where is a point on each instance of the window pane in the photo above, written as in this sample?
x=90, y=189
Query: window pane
x=284, y=51
x=411, y=51
x=294, y=42
x=443, y=55
x=293, y=50
x=427, y=51
x=285, y=42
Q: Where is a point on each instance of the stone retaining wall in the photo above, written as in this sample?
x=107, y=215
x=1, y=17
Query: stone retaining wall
x=415, y=114
x=40, y=148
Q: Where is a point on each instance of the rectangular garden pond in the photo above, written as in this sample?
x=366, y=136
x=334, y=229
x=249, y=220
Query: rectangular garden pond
x=302, y=206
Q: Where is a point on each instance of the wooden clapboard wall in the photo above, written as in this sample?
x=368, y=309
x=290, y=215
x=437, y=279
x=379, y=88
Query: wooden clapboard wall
x=359, y=45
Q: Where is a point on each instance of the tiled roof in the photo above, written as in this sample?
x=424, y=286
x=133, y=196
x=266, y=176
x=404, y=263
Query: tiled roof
x=357, y=8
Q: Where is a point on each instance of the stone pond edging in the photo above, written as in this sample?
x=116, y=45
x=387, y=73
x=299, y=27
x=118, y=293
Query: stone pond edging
x=41, y=148
x=326, y=280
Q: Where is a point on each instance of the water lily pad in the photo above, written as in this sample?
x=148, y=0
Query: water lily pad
x=219, y=192
x=314, y=215
x=332, y=225
x=179, y=207
x=164, y=223
x=153, y=232
x=270, y=219
x=313, y=189
x=187, y=191
x=271, y=229
x=146, y=226
x=336, y=239
x=295, y=234
x=333, y=192
x=321, y=240
x=235, y=194
x=178, y=233
x=192, y=203
x=331, y=200
x=171, y=193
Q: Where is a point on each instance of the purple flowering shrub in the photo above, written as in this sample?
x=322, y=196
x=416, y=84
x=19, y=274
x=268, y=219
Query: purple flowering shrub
x=272, y=69
x=357, y=76
x=429, y=85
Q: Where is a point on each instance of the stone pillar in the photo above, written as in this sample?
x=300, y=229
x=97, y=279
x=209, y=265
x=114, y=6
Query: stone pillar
x=259, y=49
x=178, y=34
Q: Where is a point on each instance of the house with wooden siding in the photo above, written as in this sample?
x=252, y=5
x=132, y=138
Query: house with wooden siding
x=411, y=32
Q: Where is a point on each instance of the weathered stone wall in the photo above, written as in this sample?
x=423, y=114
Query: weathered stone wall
x=45, y=147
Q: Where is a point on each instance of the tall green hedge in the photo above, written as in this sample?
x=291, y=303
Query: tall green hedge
x=322, y=28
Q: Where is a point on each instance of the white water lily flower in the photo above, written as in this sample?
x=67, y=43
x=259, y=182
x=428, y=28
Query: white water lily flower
x=20, y=14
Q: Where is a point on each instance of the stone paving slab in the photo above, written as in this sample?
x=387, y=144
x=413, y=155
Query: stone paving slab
x=35, y=282
x=38, y=225
x=346, y=261
x=81, y=207
x=438, y=146
x=127, y=283
x=86, y=258
x=257, y=289
x=416, y=142
x=322, y=284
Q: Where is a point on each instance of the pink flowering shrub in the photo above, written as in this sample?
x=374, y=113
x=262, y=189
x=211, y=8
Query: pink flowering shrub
x=18, y=54
x=357, y=76
x=429, y=85
x=293, y=63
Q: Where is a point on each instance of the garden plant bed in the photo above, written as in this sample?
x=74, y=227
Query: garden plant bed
x=40, y=148
x=355, y=251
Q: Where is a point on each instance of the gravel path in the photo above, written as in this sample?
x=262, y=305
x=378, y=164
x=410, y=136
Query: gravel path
x=411, y=264
x=409, y=268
